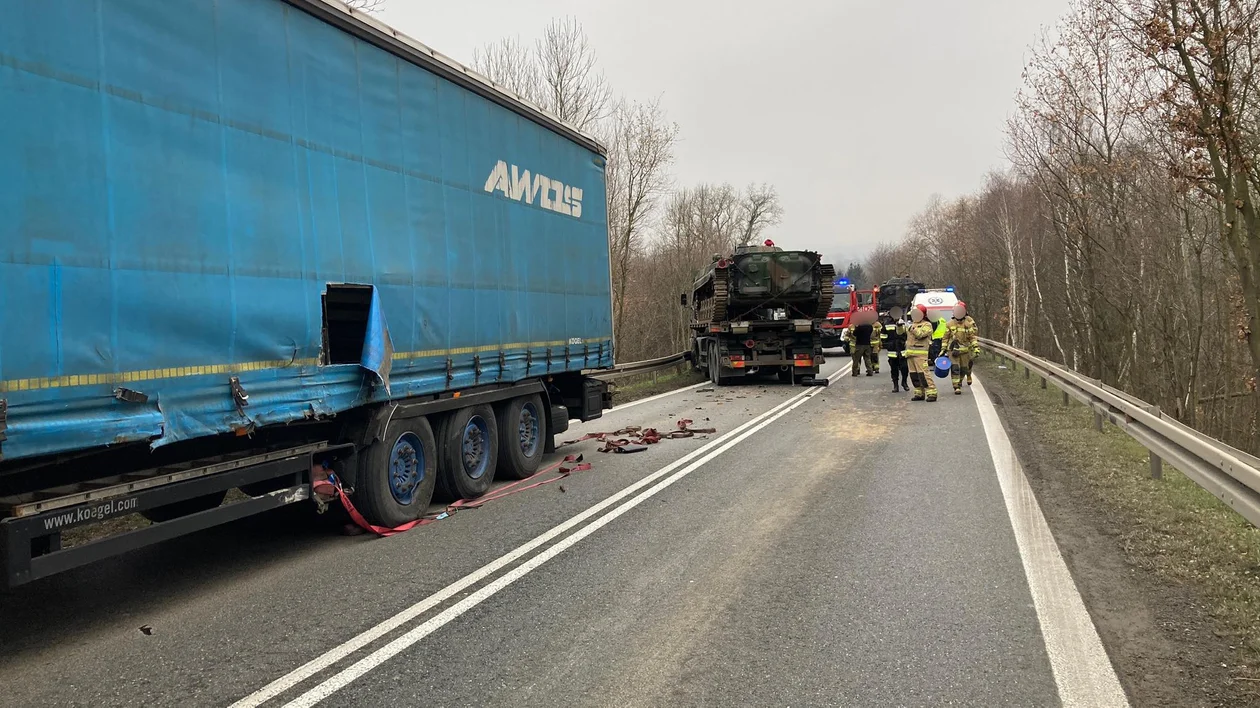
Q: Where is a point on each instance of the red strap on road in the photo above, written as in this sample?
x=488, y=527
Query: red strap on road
x=514, y=488
x=640, y=437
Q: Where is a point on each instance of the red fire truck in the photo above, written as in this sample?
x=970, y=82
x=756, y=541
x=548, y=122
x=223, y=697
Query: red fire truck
x=846, y=301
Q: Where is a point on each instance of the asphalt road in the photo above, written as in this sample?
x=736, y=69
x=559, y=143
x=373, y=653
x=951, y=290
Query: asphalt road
x=837, y=546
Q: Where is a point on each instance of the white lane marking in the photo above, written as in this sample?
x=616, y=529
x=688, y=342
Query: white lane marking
x=343, y=678
x=1082, y=671
x=337, y=653
x=657, y=397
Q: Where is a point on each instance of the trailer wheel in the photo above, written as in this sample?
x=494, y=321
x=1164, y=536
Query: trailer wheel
x=183, y=508
x=397, y=474
x=521, y=436
x=468, y=446
x=715, y=367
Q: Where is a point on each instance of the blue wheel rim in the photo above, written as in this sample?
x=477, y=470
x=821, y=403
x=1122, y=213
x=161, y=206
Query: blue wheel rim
x=406, y=468
x=476, y=447
x=529, y=431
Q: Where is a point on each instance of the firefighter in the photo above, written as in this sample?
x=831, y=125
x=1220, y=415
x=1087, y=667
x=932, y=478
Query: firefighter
x=918, y=340
x=962, y=341
x=859, y=336
x=893, y=339
x=877, y=338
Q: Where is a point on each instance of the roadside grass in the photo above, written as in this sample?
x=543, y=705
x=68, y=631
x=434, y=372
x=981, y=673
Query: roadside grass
x=1170, y=526
x=632, y=388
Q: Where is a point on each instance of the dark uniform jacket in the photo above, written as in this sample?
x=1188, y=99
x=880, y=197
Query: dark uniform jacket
x=893, y=337
x=862, y=334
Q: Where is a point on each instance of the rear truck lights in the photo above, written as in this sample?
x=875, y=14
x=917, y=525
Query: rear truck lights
x=804, y=359
x=750, y=344
x=735, y=361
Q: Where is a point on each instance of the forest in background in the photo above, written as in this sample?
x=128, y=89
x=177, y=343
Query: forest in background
x=1123, y=238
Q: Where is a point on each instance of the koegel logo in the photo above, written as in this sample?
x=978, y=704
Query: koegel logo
x=517, y=184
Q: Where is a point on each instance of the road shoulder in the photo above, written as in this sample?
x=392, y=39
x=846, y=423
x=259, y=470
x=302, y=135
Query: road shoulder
x=1176, y=634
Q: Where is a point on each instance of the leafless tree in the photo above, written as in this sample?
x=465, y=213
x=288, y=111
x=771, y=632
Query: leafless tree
x=511, y=65
x=365, y=5
x=559, y=72
x=641, y=149
x=574, y=88
x=1207, y=55
x=760, y=209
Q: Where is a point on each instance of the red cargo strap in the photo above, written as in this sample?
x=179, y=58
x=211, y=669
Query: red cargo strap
x=640, y=437
x=514, y=488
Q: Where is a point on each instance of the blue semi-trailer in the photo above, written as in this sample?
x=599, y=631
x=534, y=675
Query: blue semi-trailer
x=245, y=239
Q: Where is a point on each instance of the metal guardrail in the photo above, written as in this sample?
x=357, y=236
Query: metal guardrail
x=640, y=367
x=1228, y=473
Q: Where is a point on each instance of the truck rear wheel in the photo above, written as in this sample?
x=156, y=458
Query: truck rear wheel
x=397, y=474
x=468, y=445
x=521, y=432
x=715, y=367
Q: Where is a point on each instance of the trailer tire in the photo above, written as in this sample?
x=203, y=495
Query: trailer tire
x=468, y=445
x=522, y=430
x=185, y=507
x=397, y=474
x=715, y=367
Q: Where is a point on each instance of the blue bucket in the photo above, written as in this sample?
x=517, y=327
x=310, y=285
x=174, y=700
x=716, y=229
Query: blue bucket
x=943, y=366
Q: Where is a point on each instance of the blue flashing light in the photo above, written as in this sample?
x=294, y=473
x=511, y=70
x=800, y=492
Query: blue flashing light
x=842, y=282
x=950, y=289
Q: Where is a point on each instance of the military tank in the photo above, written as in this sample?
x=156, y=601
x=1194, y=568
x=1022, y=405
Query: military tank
x=758, y=312
x=898, y=292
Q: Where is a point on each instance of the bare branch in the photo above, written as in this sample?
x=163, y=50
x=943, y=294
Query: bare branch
x=365, y=5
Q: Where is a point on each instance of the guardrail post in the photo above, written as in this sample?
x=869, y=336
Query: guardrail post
x=1157, y=467
x=1043, y=383
x=1066, y=401
x=1098, y=421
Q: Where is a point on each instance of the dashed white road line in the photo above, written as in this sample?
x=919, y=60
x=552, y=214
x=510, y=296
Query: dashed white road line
x=338, y=681
x=1082, y=672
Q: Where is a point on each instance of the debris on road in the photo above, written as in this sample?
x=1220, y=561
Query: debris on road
x=636, y=438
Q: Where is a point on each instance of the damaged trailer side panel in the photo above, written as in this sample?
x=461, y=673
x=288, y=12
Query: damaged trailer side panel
x=223, y=215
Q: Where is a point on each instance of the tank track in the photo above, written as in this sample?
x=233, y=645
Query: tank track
x=828, y=274
x=714, y=307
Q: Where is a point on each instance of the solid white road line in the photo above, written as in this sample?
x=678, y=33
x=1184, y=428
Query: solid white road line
x=1082, y=671
x=337, y=653
x=378, y=657
x=657, y=397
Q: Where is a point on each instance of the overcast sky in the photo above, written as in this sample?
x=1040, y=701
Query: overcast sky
x=857, y=111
